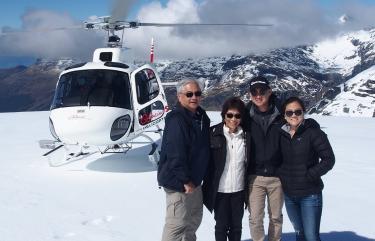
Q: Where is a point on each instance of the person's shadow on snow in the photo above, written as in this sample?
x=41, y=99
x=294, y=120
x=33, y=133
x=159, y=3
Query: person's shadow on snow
x=332, y=236
x=135, y=160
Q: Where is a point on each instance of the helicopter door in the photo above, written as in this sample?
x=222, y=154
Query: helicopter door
x=150, y=105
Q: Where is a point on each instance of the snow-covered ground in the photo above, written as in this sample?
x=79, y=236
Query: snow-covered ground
x=116, y=197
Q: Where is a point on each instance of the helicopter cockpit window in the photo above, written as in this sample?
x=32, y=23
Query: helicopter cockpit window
x=147, y=85
x=93, y=87
x=106, y=56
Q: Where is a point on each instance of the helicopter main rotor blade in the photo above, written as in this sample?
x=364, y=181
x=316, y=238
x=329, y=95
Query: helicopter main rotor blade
x=202, y=24
x=40, y=30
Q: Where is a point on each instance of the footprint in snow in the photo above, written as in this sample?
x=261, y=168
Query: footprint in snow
x=98, y=221
x=67, y=235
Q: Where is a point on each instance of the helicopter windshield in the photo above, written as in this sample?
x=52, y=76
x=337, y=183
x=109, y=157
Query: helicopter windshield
x=97, y=87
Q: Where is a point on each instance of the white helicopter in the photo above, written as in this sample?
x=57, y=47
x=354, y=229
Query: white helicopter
x=106, y=103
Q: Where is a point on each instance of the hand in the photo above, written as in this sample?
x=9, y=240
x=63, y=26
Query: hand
x=189, y=187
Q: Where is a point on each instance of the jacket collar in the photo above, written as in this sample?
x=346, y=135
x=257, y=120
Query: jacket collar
x=218, y=129
x=237, y=133
x=187, y=113
x=305, y=124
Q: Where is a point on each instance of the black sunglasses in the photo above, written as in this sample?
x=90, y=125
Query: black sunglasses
x=289, y=113
x=256, y=92
x=231, y=115
x=190, y=94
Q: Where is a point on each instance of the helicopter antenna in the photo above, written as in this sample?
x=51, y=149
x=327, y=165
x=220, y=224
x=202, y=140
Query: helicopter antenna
x=152, y=51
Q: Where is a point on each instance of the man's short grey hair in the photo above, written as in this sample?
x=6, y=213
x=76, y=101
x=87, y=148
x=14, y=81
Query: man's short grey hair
x=182, y=83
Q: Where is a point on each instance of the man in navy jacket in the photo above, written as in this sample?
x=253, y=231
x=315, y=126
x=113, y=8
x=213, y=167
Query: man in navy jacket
x=183, y=163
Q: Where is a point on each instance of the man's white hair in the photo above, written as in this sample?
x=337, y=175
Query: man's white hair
x=182, y=83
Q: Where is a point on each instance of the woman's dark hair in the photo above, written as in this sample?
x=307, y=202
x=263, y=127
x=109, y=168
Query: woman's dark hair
x=290, y=100
x=234, y=103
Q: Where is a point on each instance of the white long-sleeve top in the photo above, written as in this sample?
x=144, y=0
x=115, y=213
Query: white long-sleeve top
x=232, y=179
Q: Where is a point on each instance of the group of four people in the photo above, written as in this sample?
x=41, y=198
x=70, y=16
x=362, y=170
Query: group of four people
x=261, y=151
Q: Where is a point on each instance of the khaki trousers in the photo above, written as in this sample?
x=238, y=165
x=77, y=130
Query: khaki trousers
x=183, y=216
x=260, y=188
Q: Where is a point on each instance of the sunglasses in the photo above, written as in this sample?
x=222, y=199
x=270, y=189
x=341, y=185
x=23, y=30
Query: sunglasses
x=256, y=92
x=289, y=113
x=231, y=115
x=190, y=94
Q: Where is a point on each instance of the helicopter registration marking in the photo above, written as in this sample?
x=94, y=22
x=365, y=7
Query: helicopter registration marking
x=152, y=123
x=78, y=117
x=146, y=118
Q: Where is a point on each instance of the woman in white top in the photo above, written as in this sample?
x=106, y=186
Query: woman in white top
x=225, y=184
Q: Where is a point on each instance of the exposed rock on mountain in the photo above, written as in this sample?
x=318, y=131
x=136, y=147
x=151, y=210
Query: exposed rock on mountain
x=327, y=75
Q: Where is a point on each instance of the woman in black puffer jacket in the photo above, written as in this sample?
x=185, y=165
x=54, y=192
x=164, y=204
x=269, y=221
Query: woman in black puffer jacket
x=307, y=155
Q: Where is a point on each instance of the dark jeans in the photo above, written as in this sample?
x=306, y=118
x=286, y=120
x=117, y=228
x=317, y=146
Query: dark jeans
x=229, y=209
x=305, y=213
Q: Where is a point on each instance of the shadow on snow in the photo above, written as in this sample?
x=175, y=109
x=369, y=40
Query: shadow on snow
x=134, y=161
x=332, y=236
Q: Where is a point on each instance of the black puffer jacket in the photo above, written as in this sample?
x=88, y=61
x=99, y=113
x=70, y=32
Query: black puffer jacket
x=185, y=149
x=218, y=153
x=265, y=155
x=306, y=157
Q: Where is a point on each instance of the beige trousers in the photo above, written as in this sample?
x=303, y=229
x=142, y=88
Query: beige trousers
x=183, y=216
x=261, y=187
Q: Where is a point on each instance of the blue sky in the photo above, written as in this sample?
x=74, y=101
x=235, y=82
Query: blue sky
x=331, y=3
x=295, y=22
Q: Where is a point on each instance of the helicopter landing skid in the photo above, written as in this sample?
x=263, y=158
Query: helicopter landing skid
x=70, y=156
x=71, y=153
x=76, y=152
x=153, y=155
x=118, y=148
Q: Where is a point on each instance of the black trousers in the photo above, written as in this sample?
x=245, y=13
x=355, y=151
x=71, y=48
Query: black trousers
x=229, y=210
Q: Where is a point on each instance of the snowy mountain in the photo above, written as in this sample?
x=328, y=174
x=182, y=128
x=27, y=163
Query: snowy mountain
x=30, y=88
x=356, y=97
x=343, y=19
x=348, y=54
x=353, y=57
x=291, y=71
x=316, y=73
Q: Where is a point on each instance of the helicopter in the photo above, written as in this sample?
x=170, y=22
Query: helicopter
x=108, y=104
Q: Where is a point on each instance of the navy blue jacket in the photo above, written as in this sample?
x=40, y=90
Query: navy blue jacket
x=185, y=148
x=306, y=157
